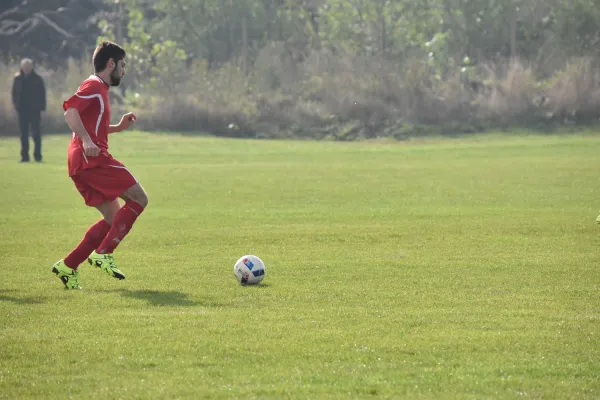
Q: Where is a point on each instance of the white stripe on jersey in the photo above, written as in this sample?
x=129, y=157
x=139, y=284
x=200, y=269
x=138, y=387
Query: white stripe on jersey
x=99, y=96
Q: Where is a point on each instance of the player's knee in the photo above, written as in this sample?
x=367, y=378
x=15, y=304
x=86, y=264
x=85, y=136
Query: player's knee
x=109, y=215
x=109, y=218
x=137, y=194
x=142, y=199
x=109, y=211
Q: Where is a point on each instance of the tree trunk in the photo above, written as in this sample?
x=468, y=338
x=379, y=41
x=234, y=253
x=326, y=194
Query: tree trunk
x=513, y=33
x=245, y=45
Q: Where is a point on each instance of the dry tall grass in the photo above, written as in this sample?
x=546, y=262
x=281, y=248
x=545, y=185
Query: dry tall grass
x=334, y=96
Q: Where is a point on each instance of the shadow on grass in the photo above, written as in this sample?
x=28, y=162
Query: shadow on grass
x=158, y=298
x=256, y=287
x=19, y=300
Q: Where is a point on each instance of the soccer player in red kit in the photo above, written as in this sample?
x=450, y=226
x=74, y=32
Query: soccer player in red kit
x=100, y=179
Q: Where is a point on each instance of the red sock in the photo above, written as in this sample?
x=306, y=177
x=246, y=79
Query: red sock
x=92, y=238
x=120, y=227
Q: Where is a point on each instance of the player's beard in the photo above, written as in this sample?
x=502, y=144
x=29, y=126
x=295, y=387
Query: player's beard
x=115, y=79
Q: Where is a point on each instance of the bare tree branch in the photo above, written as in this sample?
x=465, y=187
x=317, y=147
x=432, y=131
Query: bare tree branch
x=53, y=25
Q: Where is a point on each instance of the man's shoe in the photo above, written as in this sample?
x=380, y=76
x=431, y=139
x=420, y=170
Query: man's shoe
x=69, y=277
x=106, y=262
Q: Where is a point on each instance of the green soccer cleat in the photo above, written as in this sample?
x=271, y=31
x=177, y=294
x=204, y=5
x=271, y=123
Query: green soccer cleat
x=68, y=276
x=106, y=262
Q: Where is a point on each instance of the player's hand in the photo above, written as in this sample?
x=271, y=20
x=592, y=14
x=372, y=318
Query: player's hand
x=90, y=149
x=126, y=121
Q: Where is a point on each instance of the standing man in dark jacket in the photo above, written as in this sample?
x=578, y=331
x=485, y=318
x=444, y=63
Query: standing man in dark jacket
x=29, y=99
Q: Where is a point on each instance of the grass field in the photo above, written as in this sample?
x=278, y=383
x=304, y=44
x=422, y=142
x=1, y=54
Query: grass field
x=456, y=269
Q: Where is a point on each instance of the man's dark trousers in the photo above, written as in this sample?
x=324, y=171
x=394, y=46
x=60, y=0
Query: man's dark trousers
x=29, y=122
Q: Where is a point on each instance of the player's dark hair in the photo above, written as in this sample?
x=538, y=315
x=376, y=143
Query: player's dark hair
x=104, y=52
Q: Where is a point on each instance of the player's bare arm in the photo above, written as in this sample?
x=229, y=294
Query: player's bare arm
x=74, y=121
x=126, y=121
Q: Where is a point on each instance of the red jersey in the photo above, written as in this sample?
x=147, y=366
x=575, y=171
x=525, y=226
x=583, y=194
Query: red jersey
x=91, y=101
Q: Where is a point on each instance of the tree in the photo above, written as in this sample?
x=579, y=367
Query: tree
x=49, y=31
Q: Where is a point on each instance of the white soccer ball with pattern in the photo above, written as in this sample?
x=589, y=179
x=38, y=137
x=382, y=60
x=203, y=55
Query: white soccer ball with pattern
x=249, y=270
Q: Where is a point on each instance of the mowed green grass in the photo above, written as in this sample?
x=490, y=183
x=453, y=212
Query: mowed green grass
x=456, y=269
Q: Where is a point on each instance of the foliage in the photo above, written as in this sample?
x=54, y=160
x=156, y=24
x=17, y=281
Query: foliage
x=354, y=68
x=445, y=31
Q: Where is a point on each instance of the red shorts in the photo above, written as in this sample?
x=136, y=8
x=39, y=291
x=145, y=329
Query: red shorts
x=105, y=182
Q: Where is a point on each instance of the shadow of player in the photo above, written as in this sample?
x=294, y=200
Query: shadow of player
x=158, y=298
x=19, y=300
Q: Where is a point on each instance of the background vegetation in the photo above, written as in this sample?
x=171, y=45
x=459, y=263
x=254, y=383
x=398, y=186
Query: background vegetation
x=338, y=69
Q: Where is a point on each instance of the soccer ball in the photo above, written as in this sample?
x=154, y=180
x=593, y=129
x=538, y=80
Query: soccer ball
x=249, y=270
